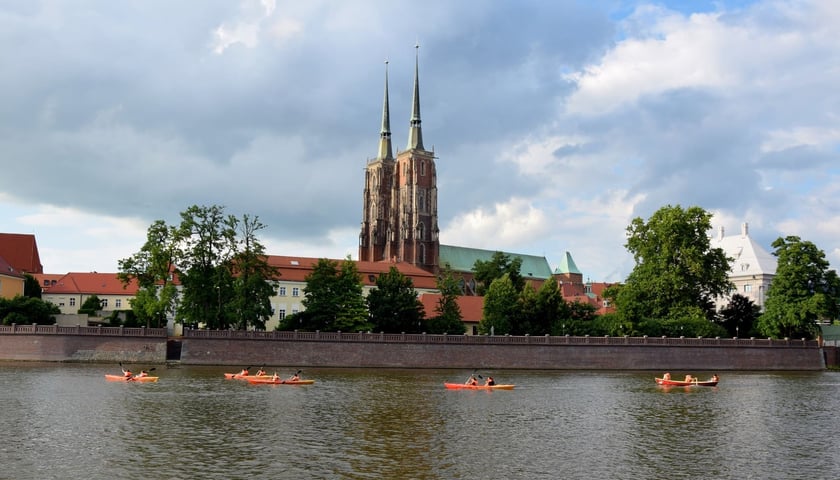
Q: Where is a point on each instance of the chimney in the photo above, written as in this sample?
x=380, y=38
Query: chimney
x=745, y=230
x=720, y=233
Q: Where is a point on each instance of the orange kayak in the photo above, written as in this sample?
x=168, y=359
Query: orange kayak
x=279, y=381
x=122, y=378
x=239, y=376
x=461, y=386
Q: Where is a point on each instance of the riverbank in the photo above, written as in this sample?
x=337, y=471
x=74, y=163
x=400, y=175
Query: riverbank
x=377, y=350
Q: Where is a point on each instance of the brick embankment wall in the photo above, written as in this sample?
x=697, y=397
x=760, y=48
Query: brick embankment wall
x=81, y=348
x=231, y=351
x=832, y=356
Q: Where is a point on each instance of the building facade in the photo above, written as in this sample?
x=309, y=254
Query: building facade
x=752, y=268
x=399, y=213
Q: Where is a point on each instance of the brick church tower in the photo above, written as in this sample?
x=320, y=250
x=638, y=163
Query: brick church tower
x=399, y=213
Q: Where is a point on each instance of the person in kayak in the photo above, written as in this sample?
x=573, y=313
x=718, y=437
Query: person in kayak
x=667, y=376
x=275, y=377
x=489, y=382
x=261, y=372
x=142, y=374
x=127, y=373
x=244, y=372
x=471, y=381
x=294, y=378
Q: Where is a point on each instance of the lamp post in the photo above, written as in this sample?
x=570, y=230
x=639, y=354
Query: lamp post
x=737, y=331
x=564, y=329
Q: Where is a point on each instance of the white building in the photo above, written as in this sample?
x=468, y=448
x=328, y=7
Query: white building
x=753, y=267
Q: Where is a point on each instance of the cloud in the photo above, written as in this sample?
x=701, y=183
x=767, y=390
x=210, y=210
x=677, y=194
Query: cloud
x=506, y=225
x=554, y=123
x=247, y=27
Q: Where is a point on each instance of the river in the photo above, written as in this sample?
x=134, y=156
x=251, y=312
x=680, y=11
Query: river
x=64, y=421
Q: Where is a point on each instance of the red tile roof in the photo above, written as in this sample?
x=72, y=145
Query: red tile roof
x=7, y=269
x=21, y=252
x=45, y=280
x=295, y=269
x=92, y=283
x=472, y=307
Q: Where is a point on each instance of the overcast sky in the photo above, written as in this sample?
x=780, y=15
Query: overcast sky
x=555, y=123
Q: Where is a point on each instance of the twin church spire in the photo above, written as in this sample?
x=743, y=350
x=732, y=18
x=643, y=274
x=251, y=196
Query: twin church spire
x=399, y=217
x=415, y=133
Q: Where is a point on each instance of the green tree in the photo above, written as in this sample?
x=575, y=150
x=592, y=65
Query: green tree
x=523, y=319
x=333, y=300
x=739, y=316
x=208, y=245
x=153, y=268
x=23, y=310
x=549, y=306
x=394, y=306
x=500, y=305
x=676, y=267
x=500, y=264
x=577, y=318
x=448, y=318
x=90, y=306
x=31, y=287
x=253, y=284
x=803, y=291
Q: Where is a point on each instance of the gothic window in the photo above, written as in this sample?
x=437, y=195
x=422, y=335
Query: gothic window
x=421, y=231
x=422, y=254
x=422, y=169
x=422, y=202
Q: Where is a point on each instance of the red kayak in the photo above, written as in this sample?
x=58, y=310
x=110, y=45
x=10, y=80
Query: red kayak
x=461, y=386
x=683, y=383
x=278, y=381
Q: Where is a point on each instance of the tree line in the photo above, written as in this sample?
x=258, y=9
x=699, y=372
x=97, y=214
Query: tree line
x=227, y=282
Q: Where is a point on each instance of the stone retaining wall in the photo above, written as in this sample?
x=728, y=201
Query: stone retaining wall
x=83, y=348
x=206, y=351
x=412, y=351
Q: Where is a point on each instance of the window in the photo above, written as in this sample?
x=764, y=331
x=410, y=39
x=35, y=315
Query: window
x=46, y=283
x=72, y=302
x=282, y=291
x=747, y=288
x=103, y=303
x=422, y=169
x=281, y=313
x=295, y=292
x=118, y=303
x=294, y=311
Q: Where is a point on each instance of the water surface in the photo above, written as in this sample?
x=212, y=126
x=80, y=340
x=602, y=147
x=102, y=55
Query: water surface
x=64, y=421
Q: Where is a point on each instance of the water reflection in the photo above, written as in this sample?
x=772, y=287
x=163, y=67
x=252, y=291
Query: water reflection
x=65, y=421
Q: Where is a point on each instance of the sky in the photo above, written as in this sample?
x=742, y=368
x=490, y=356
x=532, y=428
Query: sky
x=555, y=123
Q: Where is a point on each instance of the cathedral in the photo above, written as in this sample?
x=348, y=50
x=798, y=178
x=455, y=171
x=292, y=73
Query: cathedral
x=399, y=213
